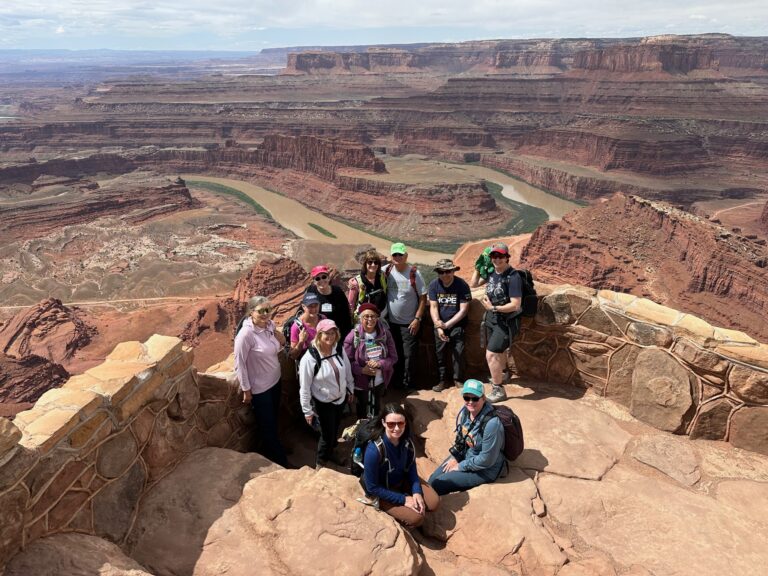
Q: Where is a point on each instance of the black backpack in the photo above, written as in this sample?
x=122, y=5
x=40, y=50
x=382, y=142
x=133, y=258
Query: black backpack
x=287, y=327
x=529, y=301
x=513, y=429
x=365, y=434
x=315, y=353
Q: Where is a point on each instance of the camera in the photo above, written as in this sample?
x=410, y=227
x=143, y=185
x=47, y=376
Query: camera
x=458, y=450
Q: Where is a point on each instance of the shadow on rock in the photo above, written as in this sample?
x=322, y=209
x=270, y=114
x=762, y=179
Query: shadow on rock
x=176, y=514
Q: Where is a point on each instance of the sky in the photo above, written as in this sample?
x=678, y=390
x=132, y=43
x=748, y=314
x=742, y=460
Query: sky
x=257, y=24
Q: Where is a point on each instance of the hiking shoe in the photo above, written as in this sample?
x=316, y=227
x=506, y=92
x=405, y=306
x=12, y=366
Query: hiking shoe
x=439, y=388
x=497, y=394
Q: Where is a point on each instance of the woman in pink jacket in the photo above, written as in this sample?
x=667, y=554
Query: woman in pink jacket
x=372, y=353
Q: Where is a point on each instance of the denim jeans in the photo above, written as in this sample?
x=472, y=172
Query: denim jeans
x=266, y=407
x=456, y=345
x=456, y=481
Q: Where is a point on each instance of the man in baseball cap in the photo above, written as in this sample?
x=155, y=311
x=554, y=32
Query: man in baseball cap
x=406, y=305
x=449, y=298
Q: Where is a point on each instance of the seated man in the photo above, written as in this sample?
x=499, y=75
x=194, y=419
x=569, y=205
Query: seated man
x=477, y=454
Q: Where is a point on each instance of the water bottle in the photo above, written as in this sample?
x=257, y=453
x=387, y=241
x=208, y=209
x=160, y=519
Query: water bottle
x=357, y=456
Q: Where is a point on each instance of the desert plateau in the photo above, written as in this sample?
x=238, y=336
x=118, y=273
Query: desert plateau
x=146, y=196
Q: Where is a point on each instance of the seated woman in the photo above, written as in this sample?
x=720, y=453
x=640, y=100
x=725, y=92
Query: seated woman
x=304, y=329
x=390, y=470
x=371, y=351
x=368, y=286
x=325, y=383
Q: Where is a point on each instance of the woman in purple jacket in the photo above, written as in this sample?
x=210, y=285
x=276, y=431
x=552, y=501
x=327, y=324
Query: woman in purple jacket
x=372, y=353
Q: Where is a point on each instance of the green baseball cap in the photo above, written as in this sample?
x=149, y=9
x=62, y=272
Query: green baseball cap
x=398, y=248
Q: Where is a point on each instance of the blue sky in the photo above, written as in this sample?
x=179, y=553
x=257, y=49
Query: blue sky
x=257, y=24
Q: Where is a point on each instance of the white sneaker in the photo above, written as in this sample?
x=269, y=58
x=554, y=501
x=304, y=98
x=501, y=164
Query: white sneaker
x=497, y=394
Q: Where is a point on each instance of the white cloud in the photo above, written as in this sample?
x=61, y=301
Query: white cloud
x=301, y=21
x=60, y=30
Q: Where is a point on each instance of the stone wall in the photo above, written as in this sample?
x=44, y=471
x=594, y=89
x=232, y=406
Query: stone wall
x=83, y=457
x=673, y=371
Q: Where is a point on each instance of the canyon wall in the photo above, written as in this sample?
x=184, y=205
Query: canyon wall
x=136, y=197
x=667, y=54
x=654, y=250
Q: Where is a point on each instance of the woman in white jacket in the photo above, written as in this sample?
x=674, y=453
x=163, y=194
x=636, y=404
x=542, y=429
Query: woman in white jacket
x=325, y=379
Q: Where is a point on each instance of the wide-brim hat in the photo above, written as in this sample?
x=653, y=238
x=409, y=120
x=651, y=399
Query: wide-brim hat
x=446, y=265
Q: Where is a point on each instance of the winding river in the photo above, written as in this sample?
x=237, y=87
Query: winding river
x=297, y=217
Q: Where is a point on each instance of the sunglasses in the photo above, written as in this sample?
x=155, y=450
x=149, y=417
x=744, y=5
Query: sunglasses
x=320, y=277
x=498, y=255
x=393, y=425
x=444, y=272
x=263, y=311
x=397, y=255
x=372, y=262
x=468, y=398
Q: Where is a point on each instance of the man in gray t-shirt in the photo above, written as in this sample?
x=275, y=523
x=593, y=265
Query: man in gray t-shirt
x=406, y=305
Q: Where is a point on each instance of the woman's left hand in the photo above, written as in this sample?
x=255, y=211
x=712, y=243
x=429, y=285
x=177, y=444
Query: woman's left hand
x=418, y=500
x=350, y=398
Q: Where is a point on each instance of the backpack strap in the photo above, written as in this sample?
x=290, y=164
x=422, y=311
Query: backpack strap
x=412, y=276
x=379, y=443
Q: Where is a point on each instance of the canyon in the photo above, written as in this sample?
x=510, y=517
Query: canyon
x=128, y=252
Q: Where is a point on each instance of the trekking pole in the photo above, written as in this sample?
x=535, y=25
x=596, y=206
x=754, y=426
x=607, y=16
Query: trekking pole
x=483, y=336
x=370, y=397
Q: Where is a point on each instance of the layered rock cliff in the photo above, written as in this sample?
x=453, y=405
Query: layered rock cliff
x=24, y=380
x=135, y=197
x=654, y=250
x=49, y=329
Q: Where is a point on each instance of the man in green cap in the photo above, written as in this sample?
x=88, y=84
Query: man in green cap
x=406, y=303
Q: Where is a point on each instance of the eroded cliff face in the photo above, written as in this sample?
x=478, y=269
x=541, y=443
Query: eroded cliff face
x=653, y=250
x=136, y=197
x=49, y=329
x=24, y=380
x=660, y=54
x=764, y=218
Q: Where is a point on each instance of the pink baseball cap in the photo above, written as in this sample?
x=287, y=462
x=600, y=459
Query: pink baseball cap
x=322, y=269
x=326, y=325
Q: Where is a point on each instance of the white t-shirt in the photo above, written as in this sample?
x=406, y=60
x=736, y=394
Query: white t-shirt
x=402, y=301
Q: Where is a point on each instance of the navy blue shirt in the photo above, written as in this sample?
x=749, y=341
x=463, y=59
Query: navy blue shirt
x=376, y=472
x=449, y=298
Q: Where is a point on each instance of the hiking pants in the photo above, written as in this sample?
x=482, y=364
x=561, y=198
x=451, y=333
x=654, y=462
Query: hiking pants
x=364, y=398
x=407, y=346
x=455, y=346
x=409, y=516
x=329, y=415
x=456, y=481
x=266, y=407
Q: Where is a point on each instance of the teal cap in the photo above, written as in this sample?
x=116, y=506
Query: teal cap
x=474, y=387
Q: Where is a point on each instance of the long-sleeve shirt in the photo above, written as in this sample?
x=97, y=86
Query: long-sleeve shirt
x=377, y=475
x=256, y=357
x=484, y=451
x=358, y=357
x=324, y=387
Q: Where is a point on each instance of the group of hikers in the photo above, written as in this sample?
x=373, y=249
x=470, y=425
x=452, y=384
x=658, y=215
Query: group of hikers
x=351, y=348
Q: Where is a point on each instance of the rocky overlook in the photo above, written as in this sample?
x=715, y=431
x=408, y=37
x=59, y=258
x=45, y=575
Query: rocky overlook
x=654, y=250
x=115, y=467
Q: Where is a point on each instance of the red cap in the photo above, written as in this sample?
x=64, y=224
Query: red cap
x=500, y=248
x=322, y=269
